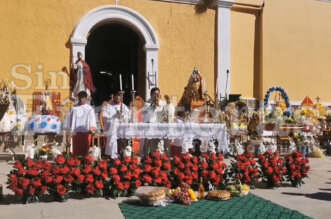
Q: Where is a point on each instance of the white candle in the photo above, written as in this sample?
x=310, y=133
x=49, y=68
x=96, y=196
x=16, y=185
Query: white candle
x=204, y=84
x=132, y=81
x=120, y=82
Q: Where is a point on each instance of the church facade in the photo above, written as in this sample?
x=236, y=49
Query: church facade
x=240, y=47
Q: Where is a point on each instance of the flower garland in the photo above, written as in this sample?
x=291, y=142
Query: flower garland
x=287, y=112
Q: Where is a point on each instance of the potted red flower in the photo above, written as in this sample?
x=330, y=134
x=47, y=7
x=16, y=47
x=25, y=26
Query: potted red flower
x=124, y=176
x=156, y=168
x=297, y=168
x=60, y=186
x=26, y=181
x=244, y=168
x=212, y=169
x=185, y=169
x=272, y=168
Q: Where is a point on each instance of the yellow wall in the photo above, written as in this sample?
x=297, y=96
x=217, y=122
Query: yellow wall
x=242, y=52
x=297, y=48
x=296, y=43
x=38, y=32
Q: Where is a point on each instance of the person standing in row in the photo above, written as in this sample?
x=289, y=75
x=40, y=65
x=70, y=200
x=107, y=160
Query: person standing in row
x=153, y=112
x=112, y=113
x=82, y=124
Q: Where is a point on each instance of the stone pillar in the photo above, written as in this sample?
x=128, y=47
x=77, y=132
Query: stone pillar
x=151, y=68
x=223, y=47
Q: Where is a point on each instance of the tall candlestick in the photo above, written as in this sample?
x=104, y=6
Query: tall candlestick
x=204, y=84
x=120, y=82
x=132, y=81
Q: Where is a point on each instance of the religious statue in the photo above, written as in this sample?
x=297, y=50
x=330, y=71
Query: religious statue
x=128, y=150
x=160, y=147
x=8, y=118
x=187, y=144
x=253, y=125
x=81, y=78
x=262, y=148
x=311, y=143
x=96, y=153
x=237, y=148
x=30, y=151
x=292, y=146
x=272, y=147
x=193, y=93
x=46, y=101
x=55, y=150
x=211, y=146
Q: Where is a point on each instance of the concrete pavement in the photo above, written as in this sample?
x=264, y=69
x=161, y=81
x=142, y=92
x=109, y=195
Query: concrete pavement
x=312, y=199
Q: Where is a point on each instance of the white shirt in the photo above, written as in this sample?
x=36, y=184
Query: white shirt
x=113, y=112
x=152, y=113
x=82, y=118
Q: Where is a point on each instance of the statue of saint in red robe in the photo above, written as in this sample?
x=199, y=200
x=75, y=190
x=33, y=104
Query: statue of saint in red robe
x=81, y=78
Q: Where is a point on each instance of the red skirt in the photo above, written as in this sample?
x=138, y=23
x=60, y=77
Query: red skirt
x=81, y=143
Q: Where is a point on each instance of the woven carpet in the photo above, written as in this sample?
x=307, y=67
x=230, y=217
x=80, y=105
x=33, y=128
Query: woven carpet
x=250, y=206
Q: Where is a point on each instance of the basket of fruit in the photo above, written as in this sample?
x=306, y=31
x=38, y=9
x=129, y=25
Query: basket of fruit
x=238, y=189
x=183, y=194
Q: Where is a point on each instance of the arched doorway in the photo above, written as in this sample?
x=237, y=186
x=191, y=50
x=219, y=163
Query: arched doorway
x=123, y=16
x=114, y=49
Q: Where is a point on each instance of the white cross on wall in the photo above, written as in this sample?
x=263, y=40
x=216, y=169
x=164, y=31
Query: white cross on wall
x=116, y=2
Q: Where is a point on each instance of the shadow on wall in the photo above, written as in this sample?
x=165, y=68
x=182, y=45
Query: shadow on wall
x=324, y=196
x=204, y=5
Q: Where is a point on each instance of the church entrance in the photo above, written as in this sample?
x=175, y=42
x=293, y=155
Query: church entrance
x=114, y=49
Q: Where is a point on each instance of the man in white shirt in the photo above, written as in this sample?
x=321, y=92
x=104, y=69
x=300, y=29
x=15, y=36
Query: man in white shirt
x=153, y=112
x=112, y=113
x=82, y=123
x=154, y=107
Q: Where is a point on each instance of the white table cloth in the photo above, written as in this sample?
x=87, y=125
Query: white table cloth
x=186, y=131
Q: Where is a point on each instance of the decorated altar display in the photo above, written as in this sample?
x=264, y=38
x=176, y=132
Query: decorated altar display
x=281, y=111
x=47, y=118
x=12, y=109
x=237, y=116
x=279, y=127
x=12, y=117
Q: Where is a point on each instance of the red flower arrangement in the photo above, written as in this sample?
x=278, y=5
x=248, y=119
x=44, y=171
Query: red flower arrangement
x=124, y=176
x=120, y=177
x=92, y=178
x=26, y=179
x=297, y=168
x=156, y=169
x=212, y=169
x=185, y=169
x=62, y=178
x=272, y=168
x=244, y=168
